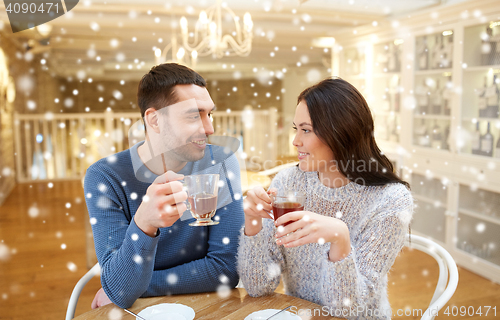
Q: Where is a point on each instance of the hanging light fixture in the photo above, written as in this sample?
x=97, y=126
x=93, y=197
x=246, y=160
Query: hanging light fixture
x=208, y=36
x=173, y=52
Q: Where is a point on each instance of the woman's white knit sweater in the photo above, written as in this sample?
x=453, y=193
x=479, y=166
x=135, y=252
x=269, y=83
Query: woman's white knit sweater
x=355, y=287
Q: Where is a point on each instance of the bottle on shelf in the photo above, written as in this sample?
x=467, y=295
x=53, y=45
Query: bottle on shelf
x=422, y=96
x=449, y=50
x=476, y=140
x=487, y=143
x=443, y=54
x=447, y=95
x=361, y=61
x=495, y=48
x=423, y=58
x=420, y=135
x=393, y=128
x=492, y=99
x=481, y=104
x=436, y=54
x=436, y=100
x=446, y=137
x=382, y=59
x=393, y=58
x=486, y=47
x=386, y=97
x=397, y=96
x=425, y=140
x=497, y=149
x=437, y=137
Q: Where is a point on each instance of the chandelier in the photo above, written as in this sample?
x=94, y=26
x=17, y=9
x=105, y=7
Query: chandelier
x=173, y=52
x=208, y=36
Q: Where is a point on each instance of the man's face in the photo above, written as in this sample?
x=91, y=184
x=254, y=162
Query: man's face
x=185, y=125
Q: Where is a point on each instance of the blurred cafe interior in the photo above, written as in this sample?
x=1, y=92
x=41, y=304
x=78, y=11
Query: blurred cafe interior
x=429, y=70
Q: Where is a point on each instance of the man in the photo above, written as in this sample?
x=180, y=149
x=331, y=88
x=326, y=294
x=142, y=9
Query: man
x=137, y=204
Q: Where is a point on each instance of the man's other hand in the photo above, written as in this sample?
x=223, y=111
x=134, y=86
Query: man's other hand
x=100, y=299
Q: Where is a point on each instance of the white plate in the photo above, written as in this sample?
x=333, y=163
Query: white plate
x=167, y=311
x=264, y=314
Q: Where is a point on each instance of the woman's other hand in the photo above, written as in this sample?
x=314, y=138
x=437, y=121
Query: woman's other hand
x=309, y=227
x=257, y=205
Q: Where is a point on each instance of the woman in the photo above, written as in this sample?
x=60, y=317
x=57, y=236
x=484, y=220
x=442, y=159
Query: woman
x=338, y=251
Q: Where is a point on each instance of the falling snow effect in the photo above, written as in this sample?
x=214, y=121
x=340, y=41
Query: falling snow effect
x=103, y=202
x=138, y=259
x=71, y=266
x=273, y=270
x=223, y=291
x=172, y=279
x=33, y=212
x=26, y=85
x=4, y=252
x=115, y=314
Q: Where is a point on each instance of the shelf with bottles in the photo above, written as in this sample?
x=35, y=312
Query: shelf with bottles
x=386, y=95
x=387, y=126
x=387, y=57
x=355, y=61
x=482, y=44
x=430, y=196
x=478, y=237
x=481, y=94
x=428, y=187
x=359, y=83
x=386, y=74
x=434, y=134
x=434, y=51
x=481, y=68
x=431, y=117
x=435, y=203
x=433, y=94
x=480, y=203
x=443, y=72
x=480, y=138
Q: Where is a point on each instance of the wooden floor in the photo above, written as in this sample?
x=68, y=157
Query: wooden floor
x=42, y=256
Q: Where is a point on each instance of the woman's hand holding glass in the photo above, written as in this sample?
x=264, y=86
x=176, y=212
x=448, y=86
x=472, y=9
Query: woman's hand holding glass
x=257, y=205
x=309, y=227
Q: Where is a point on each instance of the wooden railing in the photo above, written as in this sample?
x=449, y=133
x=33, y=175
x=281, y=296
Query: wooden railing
x=62, y=146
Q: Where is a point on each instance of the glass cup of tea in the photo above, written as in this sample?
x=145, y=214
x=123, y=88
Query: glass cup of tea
x=202, y=192
x=287, y=202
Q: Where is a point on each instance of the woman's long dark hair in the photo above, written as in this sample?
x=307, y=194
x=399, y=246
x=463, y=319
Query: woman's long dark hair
x=342, y=120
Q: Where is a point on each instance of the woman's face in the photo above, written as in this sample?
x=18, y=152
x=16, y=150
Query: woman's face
x=314, y=155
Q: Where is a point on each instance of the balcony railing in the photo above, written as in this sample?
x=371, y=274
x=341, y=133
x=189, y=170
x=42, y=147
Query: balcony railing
x=62, y=146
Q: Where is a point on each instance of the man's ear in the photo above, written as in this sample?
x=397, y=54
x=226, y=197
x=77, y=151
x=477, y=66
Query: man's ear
x=151, y=119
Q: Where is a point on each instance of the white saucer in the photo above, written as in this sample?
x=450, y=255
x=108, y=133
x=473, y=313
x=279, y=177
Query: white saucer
x=167, y=311
x=264, y=314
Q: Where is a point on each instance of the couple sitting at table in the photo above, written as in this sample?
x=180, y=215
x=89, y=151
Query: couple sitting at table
x=336, y=253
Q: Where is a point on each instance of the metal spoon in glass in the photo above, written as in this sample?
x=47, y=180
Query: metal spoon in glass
x=136, y=315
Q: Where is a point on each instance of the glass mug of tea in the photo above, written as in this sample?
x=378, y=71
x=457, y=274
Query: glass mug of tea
x=202, y=192
x=288, y=201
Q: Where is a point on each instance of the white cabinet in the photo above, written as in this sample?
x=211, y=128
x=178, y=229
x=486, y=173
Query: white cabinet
x=478, y=223
x=431, y=198
x=432, y=108
x=481, y=90
x=433, y=90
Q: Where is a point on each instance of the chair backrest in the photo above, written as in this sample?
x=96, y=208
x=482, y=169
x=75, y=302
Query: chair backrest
x=448, y=273
x=73, y=300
